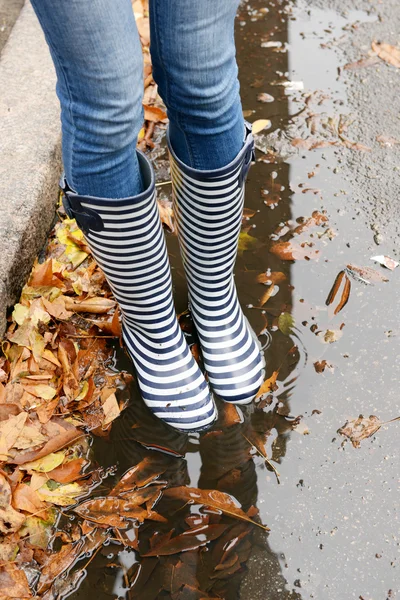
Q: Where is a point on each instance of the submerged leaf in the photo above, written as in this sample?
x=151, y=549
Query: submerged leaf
x=360, y=429
x=269, y=385
x=286, y=323
x=213, y=498
x=189, y=540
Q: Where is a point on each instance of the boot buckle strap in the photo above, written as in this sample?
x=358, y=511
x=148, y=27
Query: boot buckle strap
x=86, y=218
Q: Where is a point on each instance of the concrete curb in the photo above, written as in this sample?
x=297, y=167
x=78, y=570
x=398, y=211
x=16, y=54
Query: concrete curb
x=29, y=154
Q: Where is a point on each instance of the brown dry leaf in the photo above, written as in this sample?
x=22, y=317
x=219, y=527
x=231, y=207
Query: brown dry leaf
x=25, y=498
x=10, y=519
x=188, y=540
x=140, y=475
x=360, y=429
x=292, y=251
x=42, y=276
x=155, y=114
x=388, y=53
x=268, y=386
x=321, y=365
x=212, y=498
x=166, y=213
x=69, y=471
x=115, y=512
x=98, y=306
x=334, y=290
x=57, y=563
x=10, y=430
x=57, y=308
x=57, y=443
x=13, y=583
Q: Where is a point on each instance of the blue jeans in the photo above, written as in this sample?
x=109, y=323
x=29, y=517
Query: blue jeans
x=97, y=54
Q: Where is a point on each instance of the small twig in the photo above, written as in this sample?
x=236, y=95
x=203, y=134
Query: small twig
x=265, y=457
x=163, y=183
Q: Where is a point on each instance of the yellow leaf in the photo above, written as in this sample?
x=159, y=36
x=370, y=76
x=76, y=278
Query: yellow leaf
x=10, y=430
x=62, y=495
x=83, y=392
x=259, y=125
x=20, y=313
x=246, y=242
x=268, y=385
x=45, y=464
x=46, y=392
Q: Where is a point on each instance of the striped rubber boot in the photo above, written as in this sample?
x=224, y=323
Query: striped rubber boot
x=208, y=209
x=127, y=241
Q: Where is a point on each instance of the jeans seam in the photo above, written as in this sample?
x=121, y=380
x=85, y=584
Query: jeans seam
x=167, y=86
x=67, y=87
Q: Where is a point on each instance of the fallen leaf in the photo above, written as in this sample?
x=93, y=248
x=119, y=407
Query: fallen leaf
x=24, y=498
x=246, y=242
x=263, y=97
x=321, y=365
x=188, y=540
x=268, y=386
x=166, y=213
x=13, y=583
x=259, y=125
x=10, y=430
x=269, y=278
x=140, y=475
x=388, y=53
x=212, y=498
x=369, y=61
x=292, y=251
x=111, y=409
x=10, y=519
x=153, y=113
x=57, y=443
x=64, y=495
x=286, y=323
x=115, y=512
x=330, y=335
x=57, y=563
x=69, y=471
x=362, y=428
x=334, y=290
x=97, y=306
x=386, y=261
x=45, y=464
x=365, y=274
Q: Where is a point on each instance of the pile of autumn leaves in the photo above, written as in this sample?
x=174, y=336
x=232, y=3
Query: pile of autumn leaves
x=55, y=387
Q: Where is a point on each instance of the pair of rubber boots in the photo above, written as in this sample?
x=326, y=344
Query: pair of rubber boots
x=127, y=241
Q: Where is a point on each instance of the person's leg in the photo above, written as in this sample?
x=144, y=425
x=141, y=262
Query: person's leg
x=194, y=64
x=193, y=54
x=97, y=55
x=110, y=190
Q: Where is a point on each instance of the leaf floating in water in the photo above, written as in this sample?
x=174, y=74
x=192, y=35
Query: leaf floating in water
x=246, y=242
x=362, y=428
x=330, y=335
x=388, y=53
x=285, y=323
x=212, y=498
x=189, y=540
x=386, y=261
x=321, y=365
x=292, y=251
x=335, y=288
x=259, y=125
x=269, y=384
x=365, y=274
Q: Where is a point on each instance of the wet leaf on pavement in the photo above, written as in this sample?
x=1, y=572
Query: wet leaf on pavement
x=286, y=323
x=388, y=53
x=362, y=428
x=188, y=540
x=386, y=261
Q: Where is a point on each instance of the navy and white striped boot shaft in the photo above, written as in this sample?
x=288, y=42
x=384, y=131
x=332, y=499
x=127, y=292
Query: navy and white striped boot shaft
x=127, y=241
x=208, y=207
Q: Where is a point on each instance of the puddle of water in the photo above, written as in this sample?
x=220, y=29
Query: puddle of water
x=334, y=516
